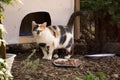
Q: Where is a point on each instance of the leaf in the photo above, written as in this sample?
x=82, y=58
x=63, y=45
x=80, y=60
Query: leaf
x=90, y=77
x=105, y=6
x=101, y=75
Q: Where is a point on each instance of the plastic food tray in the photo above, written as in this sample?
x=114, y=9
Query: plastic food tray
x=66, y=65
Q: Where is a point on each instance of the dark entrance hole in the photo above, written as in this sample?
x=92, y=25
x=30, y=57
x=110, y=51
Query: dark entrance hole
x=39, y=17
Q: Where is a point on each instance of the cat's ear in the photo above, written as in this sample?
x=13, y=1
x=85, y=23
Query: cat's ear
x=44, y=25
x=33, y=23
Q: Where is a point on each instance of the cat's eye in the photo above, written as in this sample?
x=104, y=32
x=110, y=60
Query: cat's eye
x=35, y=27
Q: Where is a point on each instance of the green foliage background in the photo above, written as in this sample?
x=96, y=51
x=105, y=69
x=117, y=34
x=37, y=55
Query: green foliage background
x=2, y=3
x=105, y=6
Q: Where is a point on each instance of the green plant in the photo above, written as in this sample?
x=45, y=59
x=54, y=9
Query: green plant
x=77, y=78
x=2, y=43
x=91, y=76
x=7, y=2
x=1, y=33
x=4, y=74
x=101, y=75
x=29, y=66
x=111, y=7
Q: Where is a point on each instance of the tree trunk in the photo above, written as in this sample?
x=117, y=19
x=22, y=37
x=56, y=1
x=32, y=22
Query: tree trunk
x=2, y=46
x=97, y=33
x=2, y=50
x=101, y=28
x=77, y=21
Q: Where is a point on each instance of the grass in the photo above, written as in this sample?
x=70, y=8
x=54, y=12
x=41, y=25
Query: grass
x=91, y=76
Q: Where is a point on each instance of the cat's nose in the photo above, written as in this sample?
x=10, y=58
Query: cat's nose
x=38, y=32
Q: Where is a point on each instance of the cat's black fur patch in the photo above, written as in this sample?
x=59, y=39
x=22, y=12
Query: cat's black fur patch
x=63, y=34
x=38, y=32
x=63, y=39
x=72, y=19
x=35, y=27
x=42, y=44
x=69, y=43
x=62, y=30
x=68, y=30
x=54, y=27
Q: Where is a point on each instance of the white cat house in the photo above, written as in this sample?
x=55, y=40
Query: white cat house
x=58, y=11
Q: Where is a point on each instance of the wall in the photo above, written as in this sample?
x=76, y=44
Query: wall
x=60, y=11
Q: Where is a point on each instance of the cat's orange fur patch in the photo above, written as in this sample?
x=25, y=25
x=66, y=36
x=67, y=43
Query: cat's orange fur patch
x=53, y=44
x=55, y=32
x=42, y=27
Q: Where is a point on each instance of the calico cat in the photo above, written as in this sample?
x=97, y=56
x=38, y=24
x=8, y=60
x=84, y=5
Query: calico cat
x=54, y=37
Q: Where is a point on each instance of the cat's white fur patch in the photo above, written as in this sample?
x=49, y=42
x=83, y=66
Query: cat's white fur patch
x=56, y=56
x=67, y=57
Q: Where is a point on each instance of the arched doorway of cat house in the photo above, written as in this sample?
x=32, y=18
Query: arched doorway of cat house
x=25, y=34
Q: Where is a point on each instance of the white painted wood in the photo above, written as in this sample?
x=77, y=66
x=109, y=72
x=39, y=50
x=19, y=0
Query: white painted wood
x=60, y=11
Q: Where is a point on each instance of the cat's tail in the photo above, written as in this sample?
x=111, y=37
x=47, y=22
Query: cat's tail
x=72, y=19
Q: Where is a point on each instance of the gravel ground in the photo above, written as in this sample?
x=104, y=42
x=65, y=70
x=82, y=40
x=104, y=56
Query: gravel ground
x=47, y=71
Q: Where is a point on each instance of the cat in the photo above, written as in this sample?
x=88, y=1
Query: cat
x=55, y=37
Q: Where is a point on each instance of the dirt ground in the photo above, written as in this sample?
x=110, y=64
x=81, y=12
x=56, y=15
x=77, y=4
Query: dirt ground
x=47, y=71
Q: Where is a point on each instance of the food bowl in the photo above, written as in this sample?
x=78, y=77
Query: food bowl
x=61, y=62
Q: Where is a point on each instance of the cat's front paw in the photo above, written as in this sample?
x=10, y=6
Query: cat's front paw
x=48, y=58
x=44, y=57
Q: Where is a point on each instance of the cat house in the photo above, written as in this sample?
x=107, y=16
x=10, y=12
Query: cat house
x=19, y=16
